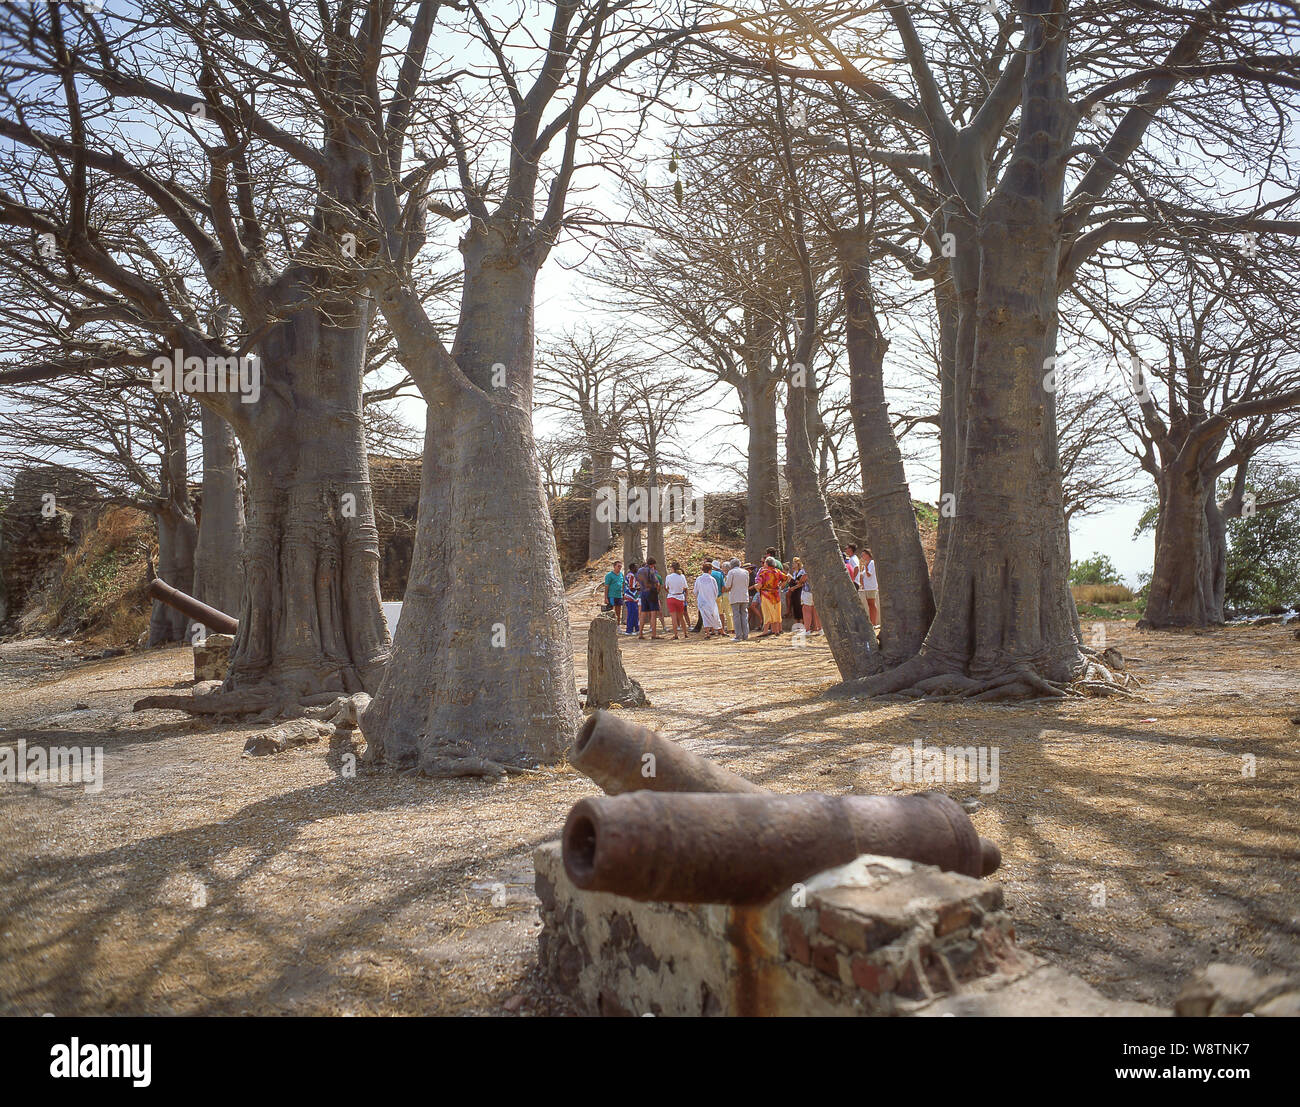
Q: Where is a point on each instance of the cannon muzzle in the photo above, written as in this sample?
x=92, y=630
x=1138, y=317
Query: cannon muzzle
x=622, y=756
x=743, y=849
x=216, y=621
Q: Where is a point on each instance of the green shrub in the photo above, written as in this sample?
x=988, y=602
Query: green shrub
x=1096, y=569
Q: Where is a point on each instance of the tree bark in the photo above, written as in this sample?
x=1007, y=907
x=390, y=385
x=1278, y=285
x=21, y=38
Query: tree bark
x=633, y=550
x=600, y=533
x=174, y=514
x=607, y=680
x=1183, y=591
x=311, y=620
x=1216, y=521
x=219, y=558
x=482, y=667
x=1006, y=604
x=947, y=308
x=654, y=528
x=177, y=537
x=763, y=494
x=849, y=632
x=906, y=603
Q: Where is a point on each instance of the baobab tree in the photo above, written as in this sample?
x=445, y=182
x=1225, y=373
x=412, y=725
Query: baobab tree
x=699, y=258
x=1221, y=388
x=1000, y=164
x=589, y=378
x=217, y=164
x=654, y=443
x=479, y=682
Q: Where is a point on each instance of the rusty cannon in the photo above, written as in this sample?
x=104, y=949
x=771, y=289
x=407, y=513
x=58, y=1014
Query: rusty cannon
x=622, y=756
x=743, y=849
x=216, y=621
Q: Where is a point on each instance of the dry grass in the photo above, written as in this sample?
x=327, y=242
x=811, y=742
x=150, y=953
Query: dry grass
x=101, y=594
x=1101, y=593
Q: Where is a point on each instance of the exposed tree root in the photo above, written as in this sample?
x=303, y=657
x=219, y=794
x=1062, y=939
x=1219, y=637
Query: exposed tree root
x=442, y=768
x=248, y=701
x=905, y=676
x=270, y=703
x=922, y=678
x=1101, y=688
x=265, y=701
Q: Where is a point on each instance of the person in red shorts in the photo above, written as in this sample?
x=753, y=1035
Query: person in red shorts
x=676, y=585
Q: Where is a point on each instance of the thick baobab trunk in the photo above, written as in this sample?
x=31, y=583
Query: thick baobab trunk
x=763, y=494
x=600, y=534
x=1182, y=592
x=633, y=550
x=177, y=532
x=482, y=670
x=906, y=604
x=1005, y=620
x=1005, y=604
x=946, y=306
x=177, y=538
x=219, y=558
x=848, y=629
x=1216, y=522
x=311, y=620
x=654, y=528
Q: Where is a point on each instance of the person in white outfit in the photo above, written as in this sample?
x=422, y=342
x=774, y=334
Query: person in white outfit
x=706, y=599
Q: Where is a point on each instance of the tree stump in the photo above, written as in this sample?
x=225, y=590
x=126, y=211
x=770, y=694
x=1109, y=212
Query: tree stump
x=607, y=682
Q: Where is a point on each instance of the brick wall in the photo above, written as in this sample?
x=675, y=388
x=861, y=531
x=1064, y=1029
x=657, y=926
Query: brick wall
x=395, y=485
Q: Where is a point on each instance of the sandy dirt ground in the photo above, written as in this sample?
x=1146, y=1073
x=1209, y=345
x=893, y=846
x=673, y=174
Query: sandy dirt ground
x=1137, y=844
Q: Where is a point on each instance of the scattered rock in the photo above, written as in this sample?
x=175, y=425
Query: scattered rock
x=280, y=738
x=259, y=745
x=347, y=710
x=514, y=1003
x=1221, y=990
x=212, y=657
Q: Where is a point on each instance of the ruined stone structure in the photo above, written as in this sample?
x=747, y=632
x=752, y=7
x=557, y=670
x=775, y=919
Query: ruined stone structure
x=43, y=522
x=879, y=936
x=395, y=485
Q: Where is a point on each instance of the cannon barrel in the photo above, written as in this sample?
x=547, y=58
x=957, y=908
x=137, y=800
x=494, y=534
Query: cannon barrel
x=613, y=751
x=217, y=621
x=744, y=849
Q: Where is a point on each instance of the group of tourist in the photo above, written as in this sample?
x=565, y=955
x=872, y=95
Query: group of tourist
x=730, y=597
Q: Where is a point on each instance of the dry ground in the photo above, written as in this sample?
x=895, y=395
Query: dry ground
x=199, y=881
